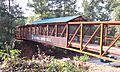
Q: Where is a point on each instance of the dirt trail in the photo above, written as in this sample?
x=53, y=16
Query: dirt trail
x=91, y=67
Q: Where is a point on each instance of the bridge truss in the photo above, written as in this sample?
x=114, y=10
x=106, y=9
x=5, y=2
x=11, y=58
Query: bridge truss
x=97, y=39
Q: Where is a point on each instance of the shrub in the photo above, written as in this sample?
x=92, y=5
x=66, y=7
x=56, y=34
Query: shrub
x=60, y=66
x=20, y=65
x=83, y=58
x=11, y=55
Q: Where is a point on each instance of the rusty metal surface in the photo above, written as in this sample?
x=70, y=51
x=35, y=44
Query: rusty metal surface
x=51, y=40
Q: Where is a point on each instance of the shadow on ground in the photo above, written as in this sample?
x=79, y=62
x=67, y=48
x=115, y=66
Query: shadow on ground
x=30, y=48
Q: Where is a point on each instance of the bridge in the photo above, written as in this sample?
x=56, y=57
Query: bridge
x=74, y=33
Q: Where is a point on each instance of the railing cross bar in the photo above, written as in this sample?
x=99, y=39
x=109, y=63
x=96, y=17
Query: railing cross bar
x=112, y=43
x=74, y=35
x=91, y=37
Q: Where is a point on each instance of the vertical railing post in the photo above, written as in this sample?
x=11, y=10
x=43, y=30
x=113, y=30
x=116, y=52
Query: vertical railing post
x=56, y=30
x=106, y=34
x=20, y=32
x=81, y=36
x=67, y=34
x=101, y=39
x=47, y=29
x=40, y=30
x=17, y=34
x=35, y=29
x=31, y=32
x=27, y=32
x=23, y=32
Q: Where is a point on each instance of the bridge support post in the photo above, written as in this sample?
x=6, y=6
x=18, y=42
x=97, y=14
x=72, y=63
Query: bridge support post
x=20, y=32
x=31, y=30
x=101, y=39
x=67, y=34
x=56, y=28
x=27, y=31
x=81, y=36
x=39, y=27
x=47, y=29
x=106, y=34
x=35, y=29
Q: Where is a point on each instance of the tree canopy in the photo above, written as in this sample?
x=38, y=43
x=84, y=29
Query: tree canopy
x=101, y=10
x=54, y=8
x=10, y=14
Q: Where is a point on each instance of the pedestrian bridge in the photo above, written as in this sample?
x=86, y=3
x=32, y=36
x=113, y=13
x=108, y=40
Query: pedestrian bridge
x=75, y=33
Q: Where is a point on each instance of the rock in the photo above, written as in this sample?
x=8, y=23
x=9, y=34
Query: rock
x=65, y=59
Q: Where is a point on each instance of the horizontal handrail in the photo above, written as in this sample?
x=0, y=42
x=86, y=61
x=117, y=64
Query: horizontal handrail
x=97, y=23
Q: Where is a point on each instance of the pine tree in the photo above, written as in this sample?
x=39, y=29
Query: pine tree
x=54, y=8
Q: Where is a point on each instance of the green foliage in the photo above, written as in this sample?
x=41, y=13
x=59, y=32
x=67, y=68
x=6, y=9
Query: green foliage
x=35, y=17
x=40, y=7
x=60, y=66
x=63, y=7
x=11, y=55
x=118, y=43
x=96, y=10
x=114, y=7
x=21, y=21
x=10, y=16
x=20, y=65
x=81, y=58
x=54, y=8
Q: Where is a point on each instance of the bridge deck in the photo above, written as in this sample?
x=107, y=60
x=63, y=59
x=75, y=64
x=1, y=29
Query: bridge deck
x=96, y=48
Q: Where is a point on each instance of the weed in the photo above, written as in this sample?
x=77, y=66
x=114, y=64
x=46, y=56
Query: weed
x=61, y=66
x=83, y=58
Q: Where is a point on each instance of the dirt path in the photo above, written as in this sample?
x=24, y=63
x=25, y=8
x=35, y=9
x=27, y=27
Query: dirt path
x=101, y=68
x=91, y=67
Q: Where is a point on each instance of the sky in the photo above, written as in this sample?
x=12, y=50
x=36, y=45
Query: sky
x=28, y=11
